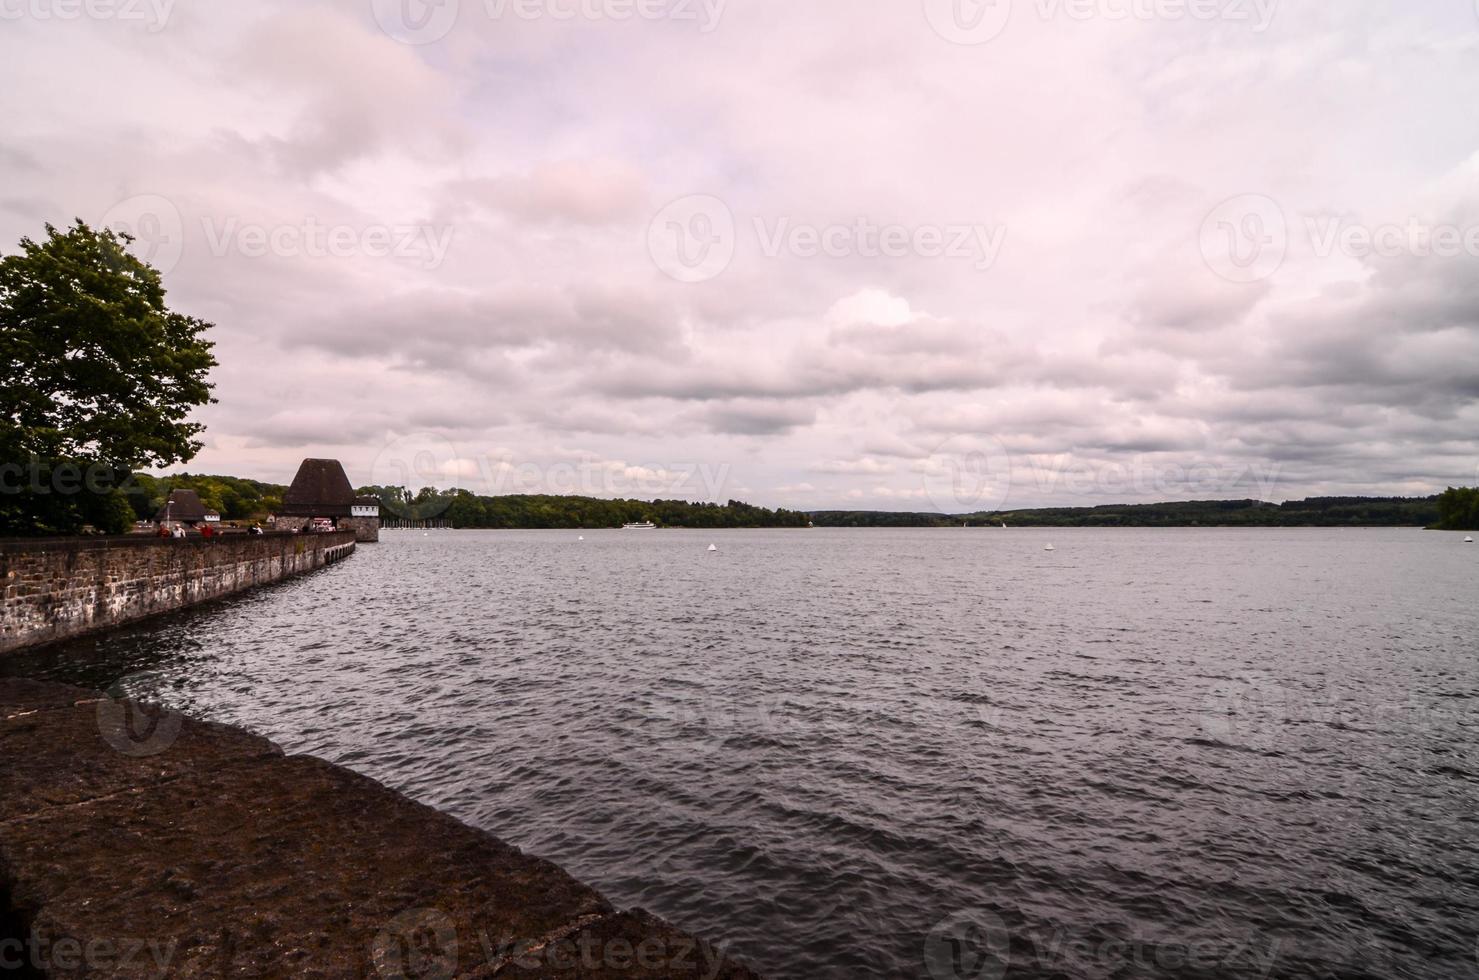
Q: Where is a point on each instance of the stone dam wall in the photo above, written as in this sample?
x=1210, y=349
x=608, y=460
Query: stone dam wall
x=58, y=588
x=136, y=842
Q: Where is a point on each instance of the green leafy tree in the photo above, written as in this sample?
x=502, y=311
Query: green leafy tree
x=1458, y=509
x=99, y=374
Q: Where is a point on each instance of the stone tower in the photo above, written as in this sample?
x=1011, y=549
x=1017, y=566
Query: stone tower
x=321, y=489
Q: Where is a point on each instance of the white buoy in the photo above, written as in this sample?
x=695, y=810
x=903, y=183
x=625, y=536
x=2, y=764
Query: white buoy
x=581, y=538
x=1050, y=548
x=713, y=547
x=1468, y=540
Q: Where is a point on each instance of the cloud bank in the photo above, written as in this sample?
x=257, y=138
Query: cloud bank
x=811, y=255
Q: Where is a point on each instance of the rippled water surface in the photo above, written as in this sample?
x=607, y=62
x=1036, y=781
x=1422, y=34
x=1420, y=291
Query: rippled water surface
x=938, y=753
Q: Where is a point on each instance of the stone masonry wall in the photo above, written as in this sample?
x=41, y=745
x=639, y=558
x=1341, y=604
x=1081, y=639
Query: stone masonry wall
x=57, y=588
x=366, y=529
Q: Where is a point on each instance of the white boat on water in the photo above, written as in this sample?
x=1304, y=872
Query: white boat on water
x=639, y=526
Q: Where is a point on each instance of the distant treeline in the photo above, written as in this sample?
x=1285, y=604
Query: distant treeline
x=463, y=509
x=1313, y=512
x=238, y=499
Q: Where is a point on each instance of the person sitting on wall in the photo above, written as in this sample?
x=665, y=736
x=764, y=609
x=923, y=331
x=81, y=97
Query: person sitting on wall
x=207, y=532
x=163, y=531
x=254, y=530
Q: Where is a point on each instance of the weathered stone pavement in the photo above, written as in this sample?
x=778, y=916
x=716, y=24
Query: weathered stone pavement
x=138, y=843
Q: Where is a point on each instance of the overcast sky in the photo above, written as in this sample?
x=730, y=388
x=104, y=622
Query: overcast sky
x=811, y=253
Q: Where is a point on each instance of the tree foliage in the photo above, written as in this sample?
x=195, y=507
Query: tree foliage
x=1312, y=512
x=99, y=374
x=234, y=498
x=1458, y=509
x=463, y=509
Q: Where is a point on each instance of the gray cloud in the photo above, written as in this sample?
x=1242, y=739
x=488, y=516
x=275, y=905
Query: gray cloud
x=756, y=419
x=1102, y=336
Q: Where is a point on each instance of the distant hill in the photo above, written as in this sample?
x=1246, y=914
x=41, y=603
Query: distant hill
x=463, y=509
x=1311, y=512
x=238, y=499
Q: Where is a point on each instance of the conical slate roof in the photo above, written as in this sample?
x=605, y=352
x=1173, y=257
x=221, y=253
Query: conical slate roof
x=182, y=505
x=319, y=490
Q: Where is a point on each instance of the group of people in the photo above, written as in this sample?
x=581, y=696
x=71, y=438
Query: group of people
x=207, y=531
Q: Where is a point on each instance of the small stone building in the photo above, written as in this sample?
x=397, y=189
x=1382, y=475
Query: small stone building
x=183, y=507
x=322, y=490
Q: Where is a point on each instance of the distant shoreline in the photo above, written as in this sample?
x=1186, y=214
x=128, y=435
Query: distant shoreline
x=579, y=513
x=972, y=527
x=427, y=509
x=1311, y=512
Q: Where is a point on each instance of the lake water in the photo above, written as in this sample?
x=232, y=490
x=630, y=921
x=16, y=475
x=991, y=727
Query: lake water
x=901, y=753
